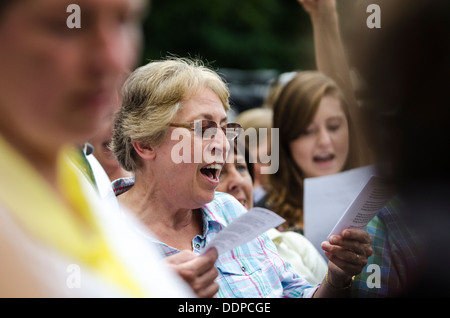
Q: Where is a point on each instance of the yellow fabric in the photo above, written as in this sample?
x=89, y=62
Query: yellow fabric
x=46, y=216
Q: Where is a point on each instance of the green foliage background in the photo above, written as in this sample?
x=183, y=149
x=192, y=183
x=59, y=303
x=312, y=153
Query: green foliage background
x=240, y=34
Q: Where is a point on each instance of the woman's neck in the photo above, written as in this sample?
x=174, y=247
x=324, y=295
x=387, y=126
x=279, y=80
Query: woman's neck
x=151, y=206
x=173, y=225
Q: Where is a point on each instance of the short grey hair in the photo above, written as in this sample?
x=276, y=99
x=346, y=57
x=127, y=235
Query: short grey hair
x=151, y=97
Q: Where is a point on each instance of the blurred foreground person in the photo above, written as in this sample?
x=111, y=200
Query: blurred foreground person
x=103, y=153
x=56, y=84
x=405, y=65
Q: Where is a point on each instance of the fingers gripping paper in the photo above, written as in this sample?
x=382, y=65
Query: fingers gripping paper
x=245, y=228
x=372, y=198
x=326, y=199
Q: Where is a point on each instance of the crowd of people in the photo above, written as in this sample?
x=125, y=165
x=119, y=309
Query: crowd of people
x=114, y=177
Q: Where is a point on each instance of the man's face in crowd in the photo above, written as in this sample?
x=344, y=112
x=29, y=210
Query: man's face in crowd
x=57, y=82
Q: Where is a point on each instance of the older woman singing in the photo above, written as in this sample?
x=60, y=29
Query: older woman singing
x=173, y=133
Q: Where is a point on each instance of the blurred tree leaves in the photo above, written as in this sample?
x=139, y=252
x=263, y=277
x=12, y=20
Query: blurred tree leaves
x=242, y=34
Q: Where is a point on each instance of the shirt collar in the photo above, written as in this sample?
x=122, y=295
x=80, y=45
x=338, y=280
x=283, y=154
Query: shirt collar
x=122, y=185
x=210, y=218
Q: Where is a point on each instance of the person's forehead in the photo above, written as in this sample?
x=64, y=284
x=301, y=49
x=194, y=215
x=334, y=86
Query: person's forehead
x=204, y=104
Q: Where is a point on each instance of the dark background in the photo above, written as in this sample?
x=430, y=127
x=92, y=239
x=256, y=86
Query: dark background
x=241, y=34
x=249, y=42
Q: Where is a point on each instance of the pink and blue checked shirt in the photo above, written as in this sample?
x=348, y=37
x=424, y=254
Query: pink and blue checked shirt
x=252, y=270
x=396, y=253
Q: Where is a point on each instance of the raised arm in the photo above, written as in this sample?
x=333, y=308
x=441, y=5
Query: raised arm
x=330, y=55
x=331, y=59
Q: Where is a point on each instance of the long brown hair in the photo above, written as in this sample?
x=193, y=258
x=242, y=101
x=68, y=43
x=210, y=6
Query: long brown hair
x=294, y=110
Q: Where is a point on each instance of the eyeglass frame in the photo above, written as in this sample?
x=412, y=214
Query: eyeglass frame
x=237, y=128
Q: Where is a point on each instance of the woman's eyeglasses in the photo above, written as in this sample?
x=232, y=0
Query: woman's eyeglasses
x=200, y=127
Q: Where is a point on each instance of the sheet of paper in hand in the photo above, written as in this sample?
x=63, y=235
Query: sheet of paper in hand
x=372, y=198
x=245, y=228
x=326, y=198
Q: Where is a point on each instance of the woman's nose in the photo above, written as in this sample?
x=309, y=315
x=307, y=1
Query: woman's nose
x=323, y=137
x=236, y=180
x=219, y=145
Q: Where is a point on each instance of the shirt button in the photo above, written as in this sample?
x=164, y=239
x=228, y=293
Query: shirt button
x=243, y=268
x=197, y=246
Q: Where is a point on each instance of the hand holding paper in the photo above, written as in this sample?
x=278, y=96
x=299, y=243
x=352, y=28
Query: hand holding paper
x=372, y=198
x=245, y=228
x=326, y=198
x=348, y=254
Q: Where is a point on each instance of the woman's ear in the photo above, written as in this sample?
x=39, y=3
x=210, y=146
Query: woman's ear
x=145, y=151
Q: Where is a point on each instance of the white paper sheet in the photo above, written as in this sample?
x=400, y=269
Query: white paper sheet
x=372, y=198
x=245, y=228
x=326, y=199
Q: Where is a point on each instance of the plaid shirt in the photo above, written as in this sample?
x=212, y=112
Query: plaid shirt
x=252, y=270
x=394, y=251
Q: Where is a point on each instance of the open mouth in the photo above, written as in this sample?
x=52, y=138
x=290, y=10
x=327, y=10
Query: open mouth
x=323, y=158
x=212, y=171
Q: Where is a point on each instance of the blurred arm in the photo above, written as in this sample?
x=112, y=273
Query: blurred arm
x=329, y=50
